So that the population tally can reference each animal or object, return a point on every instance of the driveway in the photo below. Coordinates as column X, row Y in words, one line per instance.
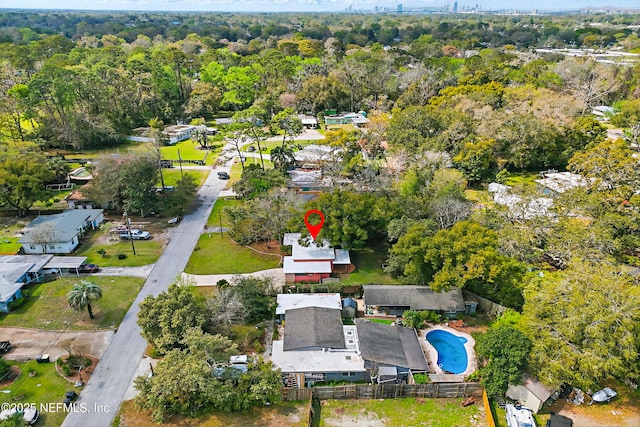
column 142, row 271
column 121, row 359
column 307, row 134
column 26, row 344
column 277, row 274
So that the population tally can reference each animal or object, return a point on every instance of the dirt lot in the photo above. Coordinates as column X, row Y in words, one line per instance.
column 26, row 344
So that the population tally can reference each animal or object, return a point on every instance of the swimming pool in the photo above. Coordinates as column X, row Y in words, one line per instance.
column 452, row 356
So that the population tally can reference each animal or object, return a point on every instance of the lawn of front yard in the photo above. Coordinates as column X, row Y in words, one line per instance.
column 45, row 387
column 189, row 150
column 217, row 213
column 401, row 413
column 46, row 306
column 369, row 270
column 220, row 255
column 172, row 176
column 286, row 414
column 147, row 252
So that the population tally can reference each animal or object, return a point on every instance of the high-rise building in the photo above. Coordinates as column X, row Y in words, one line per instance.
column 455, row 7
column 399, row 8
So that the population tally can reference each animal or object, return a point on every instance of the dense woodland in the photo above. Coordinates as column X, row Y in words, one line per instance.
column 454, row 104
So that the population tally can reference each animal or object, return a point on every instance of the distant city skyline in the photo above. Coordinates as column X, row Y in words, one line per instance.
column 312, row 5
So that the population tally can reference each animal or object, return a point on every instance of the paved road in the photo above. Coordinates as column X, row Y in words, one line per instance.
column 121, row 359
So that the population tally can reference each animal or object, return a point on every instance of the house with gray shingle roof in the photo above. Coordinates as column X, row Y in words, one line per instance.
column 59, row 233
column 396, row 299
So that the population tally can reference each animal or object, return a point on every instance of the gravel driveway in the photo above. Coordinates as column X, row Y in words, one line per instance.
column 26, row 344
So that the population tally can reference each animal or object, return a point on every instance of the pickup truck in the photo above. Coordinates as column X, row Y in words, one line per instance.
column 135, row 235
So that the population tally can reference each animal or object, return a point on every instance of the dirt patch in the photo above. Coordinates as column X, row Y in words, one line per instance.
column 271, row 247
column 82, row 375
column 614, row 414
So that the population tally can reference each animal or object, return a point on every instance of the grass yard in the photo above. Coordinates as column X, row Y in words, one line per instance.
column 147, row 252
column 286, row 414
column 46, row 307
column 43, row 388
column 369, row 270
column 9, row 245
column 522, row 178
column 125, row 147
column 218, row 208
column 189, row 150
column 216, row 255
column 383, row 321
column 235, row 174
column 400, row 413
column 172, row 176
column 270, row 145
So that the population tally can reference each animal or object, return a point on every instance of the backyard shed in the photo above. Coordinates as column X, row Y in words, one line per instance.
column 531, row 394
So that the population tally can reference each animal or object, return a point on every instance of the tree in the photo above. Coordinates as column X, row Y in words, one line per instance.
column 200, row 136
column 256, row 180
column 353, row 219
column 282, row 158
column 23, row 178
column 609, row 164
column 584, row 322
column 505, row 350
column 477, row 160
column 126, row 183
column 82, row 295
column 287, row 123
column 164, row 319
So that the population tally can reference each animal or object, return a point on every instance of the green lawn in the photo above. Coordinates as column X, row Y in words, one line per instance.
column 236, row 173
column 189, row 150
column 43, row 388
column 383, row 321
column 9, row 245
column 400, row 413
column 369, row 270
column 172, row 176
column 219, row 255
column 47, row 308
column 147, row 252
column 218, row 208
column 526, row 178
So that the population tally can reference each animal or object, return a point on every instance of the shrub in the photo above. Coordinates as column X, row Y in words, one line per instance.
column 66, row 370
column 5, row 367
column 15, row 304
column 102, row 252
column 421, row 378
column 122, row 256
column 87, row 362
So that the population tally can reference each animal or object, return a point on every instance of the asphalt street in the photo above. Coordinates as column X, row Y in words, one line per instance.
column 106, row 388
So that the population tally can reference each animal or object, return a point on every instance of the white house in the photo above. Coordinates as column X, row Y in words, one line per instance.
column 177, row 133
column 59, row 233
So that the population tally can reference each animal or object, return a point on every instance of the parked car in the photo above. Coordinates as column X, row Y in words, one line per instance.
column 223, row 175
column 135, row 235
column 251, row 149
column 166, row 164
column 29, row 414
column 88, row 268
column 5, row 346
column 69, row 397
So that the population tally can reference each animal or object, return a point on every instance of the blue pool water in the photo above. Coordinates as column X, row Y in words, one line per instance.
column 452, row 356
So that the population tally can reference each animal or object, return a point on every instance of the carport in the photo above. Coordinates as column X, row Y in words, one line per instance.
column 65, row 264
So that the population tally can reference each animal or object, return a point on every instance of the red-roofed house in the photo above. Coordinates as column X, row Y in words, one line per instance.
column 312, row 263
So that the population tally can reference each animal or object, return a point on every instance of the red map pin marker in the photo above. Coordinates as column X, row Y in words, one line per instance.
column 314, row 229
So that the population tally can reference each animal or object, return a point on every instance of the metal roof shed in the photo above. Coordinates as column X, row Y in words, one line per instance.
column 66, row 262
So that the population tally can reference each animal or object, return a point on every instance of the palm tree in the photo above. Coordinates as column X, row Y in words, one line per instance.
column 82, row 295
column 282, row 158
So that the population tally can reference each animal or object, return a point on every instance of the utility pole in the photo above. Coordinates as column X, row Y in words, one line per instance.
column 133, row 247
column 180, row 160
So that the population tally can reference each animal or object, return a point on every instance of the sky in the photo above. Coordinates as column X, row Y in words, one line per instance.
column 308, row 5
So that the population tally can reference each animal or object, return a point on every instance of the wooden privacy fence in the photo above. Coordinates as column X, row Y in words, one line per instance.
column 487, row 409
column 384, row 391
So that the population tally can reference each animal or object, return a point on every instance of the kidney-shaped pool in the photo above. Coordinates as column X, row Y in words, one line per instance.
column 452, row 356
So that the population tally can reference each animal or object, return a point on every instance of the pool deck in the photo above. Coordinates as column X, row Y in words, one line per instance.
column 432, row 353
